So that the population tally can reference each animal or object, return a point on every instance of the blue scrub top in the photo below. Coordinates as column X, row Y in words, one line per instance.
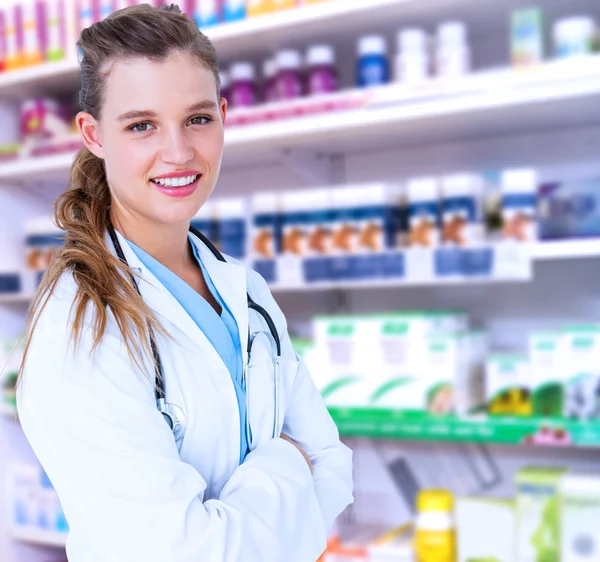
column 221, row 331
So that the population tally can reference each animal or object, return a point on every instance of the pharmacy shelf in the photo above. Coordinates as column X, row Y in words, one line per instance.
column 552, row 96
column 40, row 537
column 48, row 79
column 16, row 298
column 392, row 424
column 567, row 249
column 296, row 26
column 328, row 18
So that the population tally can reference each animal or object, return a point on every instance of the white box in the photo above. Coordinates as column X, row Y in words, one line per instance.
column 486, row 529
column 580, row 517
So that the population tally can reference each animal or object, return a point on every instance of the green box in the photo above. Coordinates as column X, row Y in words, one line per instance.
column 538, row 514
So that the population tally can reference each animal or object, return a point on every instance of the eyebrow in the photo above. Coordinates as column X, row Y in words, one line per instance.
column 205, row 105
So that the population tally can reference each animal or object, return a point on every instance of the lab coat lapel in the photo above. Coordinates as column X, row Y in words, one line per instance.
column 230, row 280
column 161, row 301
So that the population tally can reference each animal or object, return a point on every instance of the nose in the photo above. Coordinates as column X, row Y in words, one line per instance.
column 177, row 148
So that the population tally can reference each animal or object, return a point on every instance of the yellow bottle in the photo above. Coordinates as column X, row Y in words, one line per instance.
column 435, row 536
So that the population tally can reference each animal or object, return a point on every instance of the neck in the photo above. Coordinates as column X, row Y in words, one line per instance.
column 166, row 243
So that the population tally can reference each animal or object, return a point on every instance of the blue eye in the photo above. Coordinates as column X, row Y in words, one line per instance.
column 143, row 127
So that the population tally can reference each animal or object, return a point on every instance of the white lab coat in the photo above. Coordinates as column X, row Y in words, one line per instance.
column 128, row 494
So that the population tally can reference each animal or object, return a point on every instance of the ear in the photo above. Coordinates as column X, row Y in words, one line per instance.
column 223, row 108
column 90, row 133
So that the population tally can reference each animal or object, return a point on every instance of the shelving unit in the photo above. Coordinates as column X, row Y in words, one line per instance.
column 545, row 117
column 390, row 424
column 39, row 537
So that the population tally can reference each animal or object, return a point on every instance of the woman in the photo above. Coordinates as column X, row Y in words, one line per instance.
column 134, row 303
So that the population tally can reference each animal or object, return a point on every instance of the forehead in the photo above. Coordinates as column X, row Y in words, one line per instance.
column 165, row 86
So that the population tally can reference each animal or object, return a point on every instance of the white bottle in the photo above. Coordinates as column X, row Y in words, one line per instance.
column 453, row 55
column 412, row 61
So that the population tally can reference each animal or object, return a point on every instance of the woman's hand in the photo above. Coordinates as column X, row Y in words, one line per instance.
column 289, row 440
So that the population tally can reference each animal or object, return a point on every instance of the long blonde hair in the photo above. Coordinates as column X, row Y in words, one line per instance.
column 82, row 211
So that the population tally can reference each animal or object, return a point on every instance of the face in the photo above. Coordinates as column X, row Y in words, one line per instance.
column 161, row 136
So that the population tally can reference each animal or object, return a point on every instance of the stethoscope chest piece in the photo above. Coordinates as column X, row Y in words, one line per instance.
column 175, row 417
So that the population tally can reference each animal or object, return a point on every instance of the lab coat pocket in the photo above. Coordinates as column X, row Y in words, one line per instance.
column 268, row 382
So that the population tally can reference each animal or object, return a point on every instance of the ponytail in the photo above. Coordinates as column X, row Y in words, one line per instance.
column 82, row 211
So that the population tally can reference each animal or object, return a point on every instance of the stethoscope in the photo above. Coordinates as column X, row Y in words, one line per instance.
column 173, row 414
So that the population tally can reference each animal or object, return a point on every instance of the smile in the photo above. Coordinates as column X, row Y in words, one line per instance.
column 176, row 182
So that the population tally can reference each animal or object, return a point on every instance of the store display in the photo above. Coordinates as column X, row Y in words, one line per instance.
column 412, row 64
column 574, row 36
column 582, row 371
column 423, row 212
column 526, row 37
column 207, row 13
column 230, row 217
column 225, row 84
column 288, row 81
column 234, row 10
column 462, row 213
column 269, row 89
column 34, row 503
column 508, row 385
column 372, row 65
column 569, row 209
column 546, row 354
column 42, row 238
column 519, row 205
column 435, row 534
column 579, row 515
column 243, row 85
column 538, row 514
column 11, row 353
column 453, row 54
column 321, row 70
column 486, row 529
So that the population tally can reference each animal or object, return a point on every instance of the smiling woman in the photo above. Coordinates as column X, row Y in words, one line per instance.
column 159, row 387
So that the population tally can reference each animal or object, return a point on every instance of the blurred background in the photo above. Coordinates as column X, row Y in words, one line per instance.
column 419, row 182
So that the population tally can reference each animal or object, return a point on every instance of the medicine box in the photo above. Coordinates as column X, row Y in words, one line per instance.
column 538, row 514
column 508, row 385
column 486, row 530
column 582, row 371
column 547, row 372
column 580, row 514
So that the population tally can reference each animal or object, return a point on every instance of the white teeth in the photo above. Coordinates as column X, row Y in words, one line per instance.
column 176, row 182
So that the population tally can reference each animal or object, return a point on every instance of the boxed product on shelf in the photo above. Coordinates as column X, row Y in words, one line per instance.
column 42, row 238
column 231, row 216
column 486, row 529
column 547, row 372
column 33, row 502
column 569, row 209
column 526, row 36
column 519, row 204
column 579, row 516
column 538, row 514
column 508, row 384
column 11, row 354
column 265, row 237
column 582, row 371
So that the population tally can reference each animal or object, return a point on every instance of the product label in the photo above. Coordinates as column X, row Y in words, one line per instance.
column 423, row 223
column 232, row 237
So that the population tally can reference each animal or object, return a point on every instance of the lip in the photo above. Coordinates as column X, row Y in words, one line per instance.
column 178, row 192
column 182, row 174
